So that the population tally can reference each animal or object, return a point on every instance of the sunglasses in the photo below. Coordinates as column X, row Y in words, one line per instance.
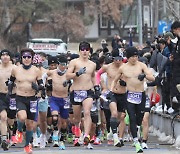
column 84, row 48
column 24, row 57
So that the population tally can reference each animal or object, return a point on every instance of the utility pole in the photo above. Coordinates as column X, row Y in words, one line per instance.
column 140, row 22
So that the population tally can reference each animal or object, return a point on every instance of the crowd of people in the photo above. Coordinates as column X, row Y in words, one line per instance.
column 88, row 97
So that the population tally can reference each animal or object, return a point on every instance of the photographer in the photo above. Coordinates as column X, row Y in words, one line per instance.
column 175, row 63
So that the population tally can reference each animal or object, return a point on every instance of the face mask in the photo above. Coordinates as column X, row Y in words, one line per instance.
column 59, row 72
column 26, row 67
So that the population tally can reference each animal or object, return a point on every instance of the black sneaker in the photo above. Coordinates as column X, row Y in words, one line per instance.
column 5, row 145
column 121, row 142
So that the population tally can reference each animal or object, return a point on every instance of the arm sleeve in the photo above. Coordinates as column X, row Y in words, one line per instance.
column 98, row 76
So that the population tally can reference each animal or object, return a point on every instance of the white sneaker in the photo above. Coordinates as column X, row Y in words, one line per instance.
column 144, row 145
column 55, row 143
column 42, row 141
column 89, row 146
column 35, row 142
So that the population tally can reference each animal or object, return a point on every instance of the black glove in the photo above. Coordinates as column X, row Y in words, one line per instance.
column 141, row 76
column 43, row 93
column 7, row 82
column 122, row 83
column 81, row 71
column 35, row 87
column 65, row 83
column 49, row 85
column 110, row 95
column 97, row 91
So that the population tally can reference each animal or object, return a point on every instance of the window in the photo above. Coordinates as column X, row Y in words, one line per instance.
column 103, row 21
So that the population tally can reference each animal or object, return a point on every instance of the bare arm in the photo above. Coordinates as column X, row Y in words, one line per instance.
column 117, row 77
column 148, row 73
column 70, row 72
column 98, row 74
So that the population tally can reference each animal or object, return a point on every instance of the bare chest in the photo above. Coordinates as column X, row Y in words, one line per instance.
column 25, row 75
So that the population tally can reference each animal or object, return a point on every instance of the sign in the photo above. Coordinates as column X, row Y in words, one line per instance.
column 163, row 27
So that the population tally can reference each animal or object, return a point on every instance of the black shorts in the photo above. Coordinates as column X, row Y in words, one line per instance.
column 120, row 99
column 11, row 113
column 94, row 116
column 23, row 103
column 90, row 94
column 3, row 102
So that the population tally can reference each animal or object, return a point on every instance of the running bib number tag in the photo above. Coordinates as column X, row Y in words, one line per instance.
column 80, row 96
column 33, row 106
column 147, row 105
column 12, row 105
column 134, row 97
column 66, row 103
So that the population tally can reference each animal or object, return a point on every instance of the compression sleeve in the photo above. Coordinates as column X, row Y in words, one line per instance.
column 98, row 76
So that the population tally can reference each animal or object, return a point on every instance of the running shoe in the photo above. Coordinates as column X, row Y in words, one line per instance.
column 42, row 141
column 70, row 138
column 18, row 137
column 61, row 145
column 138, row 148
column 76, row 142
column 86, row 140
column 89, row 146
column 144, row 145
column 5, row 145
column 28, row 149
column 117, row 143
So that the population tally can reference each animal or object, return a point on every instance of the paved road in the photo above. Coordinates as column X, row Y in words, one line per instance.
column 155, row 147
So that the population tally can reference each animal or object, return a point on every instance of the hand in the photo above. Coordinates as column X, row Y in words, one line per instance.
column 171, row 58
column 49, row 85
column 81, row 71
column 122, row 83
column 35, row 87
column 141, row 76
column 65, row 83
column 109, row 95
column 97, row 91
column 43, row 94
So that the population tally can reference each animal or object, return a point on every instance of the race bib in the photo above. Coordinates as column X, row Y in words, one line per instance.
column 147, row 104
column 66, row 103
column 80, row 96
column 33, row 106
column 12, row 105
column 134, row 97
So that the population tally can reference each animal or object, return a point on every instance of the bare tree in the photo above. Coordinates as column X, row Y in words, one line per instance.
column 68, row 24
column 112, row 9
column 170, row 5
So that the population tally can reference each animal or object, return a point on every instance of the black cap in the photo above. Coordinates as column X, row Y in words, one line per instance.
column 131, row 51
column 5, row 51
column 52, row 60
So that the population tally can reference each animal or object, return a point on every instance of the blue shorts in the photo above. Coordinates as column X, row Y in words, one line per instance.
column 43, row 105
column 57, row 104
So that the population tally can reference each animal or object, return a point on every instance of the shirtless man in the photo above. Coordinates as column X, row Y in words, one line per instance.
column 59, row 103
column 117, row 101
column 5, row 71
column 82, row 71
column 134, row 73
column 25, row 77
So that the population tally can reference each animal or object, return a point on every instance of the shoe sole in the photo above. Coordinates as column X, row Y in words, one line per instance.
column 118, row 145
column 77, row 144
column 140, row 151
